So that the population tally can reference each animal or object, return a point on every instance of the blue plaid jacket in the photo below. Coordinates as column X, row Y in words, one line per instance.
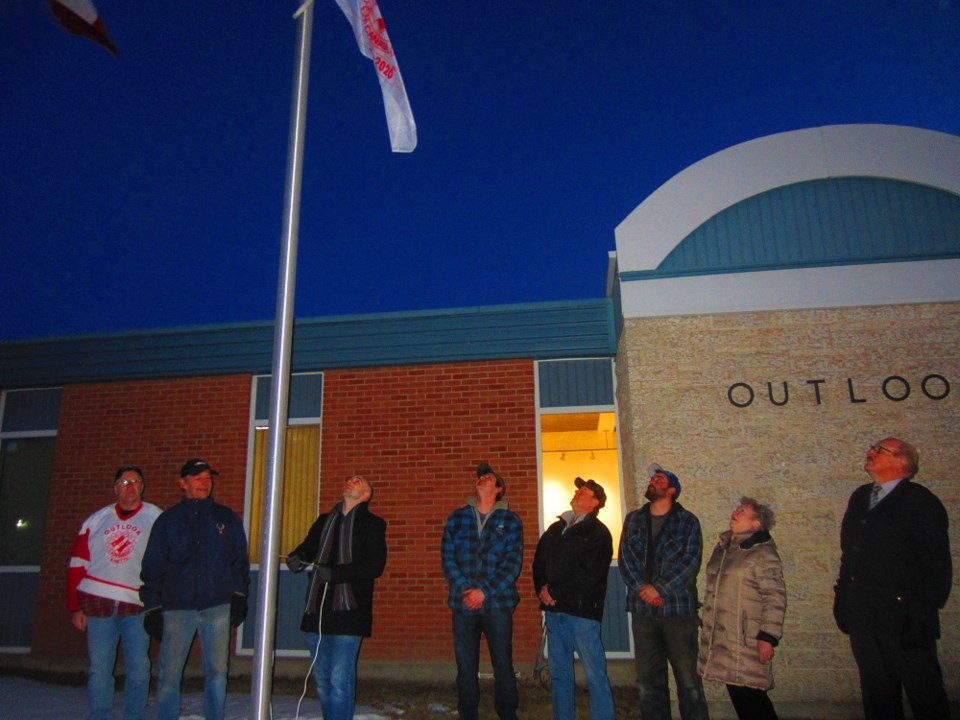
column 677, row 558
column 490, row 561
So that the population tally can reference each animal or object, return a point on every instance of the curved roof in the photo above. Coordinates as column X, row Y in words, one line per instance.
column 871, row 213
column 836, row 220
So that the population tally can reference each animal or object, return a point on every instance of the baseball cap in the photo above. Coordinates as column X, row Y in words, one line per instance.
column 674, row 480
column 484, row 468
column 598, row 492
column 195, row 466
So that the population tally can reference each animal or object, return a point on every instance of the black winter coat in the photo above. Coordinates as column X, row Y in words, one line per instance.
column 895, row 566
column 574, row 566
column 369, row 560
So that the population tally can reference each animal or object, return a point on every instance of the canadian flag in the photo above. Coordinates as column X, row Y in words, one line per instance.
column 80, row 18
column 371, row 33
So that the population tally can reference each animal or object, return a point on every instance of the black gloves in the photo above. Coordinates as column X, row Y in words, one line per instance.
column 295, row 563
column 153, row 623
column 238, row 609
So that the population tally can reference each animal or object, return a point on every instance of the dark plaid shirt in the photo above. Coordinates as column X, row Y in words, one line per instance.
column 490, row 561
column 677, row 555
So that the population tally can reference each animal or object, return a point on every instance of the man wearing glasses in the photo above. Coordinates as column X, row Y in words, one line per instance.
column 102, row 595
column 895, row 575
column 346, row 551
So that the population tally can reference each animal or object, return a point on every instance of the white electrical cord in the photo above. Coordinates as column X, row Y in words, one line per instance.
column 317, row 653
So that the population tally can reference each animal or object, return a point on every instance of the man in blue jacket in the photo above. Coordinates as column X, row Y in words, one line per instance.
column 482, row 553
column 195, row 575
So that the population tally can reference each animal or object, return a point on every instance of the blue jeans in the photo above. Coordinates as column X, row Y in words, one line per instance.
column 498, row 629
column 566, row 633
column 657, row 641
column 103, row 634
column 179, row 628
column 335, row 672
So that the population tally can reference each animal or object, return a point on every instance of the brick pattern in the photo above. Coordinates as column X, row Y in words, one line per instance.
column 801, row 456
column 156, row 425
column 418, row 433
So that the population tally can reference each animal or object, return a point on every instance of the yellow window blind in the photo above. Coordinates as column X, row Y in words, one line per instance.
column 301, row 474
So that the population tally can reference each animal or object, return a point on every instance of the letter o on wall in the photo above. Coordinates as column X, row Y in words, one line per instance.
column 926, row 390
column 740, row 403
column 905, row 388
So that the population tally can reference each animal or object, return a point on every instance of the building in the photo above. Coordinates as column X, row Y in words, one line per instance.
column 771, row 311
column 412, row 401
column 786, row 303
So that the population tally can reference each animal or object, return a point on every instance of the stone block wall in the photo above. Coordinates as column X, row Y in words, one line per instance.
column 782, row 406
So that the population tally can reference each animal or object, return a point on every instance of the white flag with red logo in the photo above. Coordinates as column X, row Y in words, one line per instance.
column 371, row 32
column 80, row 17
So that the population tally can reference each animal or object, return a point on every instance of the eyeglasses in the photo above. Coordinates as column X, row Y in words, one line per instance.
column 880, row 448
column 123, row 482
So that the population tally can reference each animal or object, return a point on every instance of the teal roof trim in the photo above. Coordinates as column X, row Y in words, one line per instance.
column 832, row 221
column 539, row 331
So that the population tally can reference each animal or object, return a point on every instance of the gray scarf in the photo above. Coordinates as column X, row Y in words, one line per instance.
column 343, row 598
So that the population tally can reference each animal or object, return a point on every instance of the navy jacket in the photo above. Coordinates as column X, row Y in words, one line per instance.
column 196, row 557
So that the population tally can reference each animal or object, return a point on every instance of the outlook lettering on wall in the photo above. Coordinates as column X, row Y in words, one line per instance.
column 893, row 388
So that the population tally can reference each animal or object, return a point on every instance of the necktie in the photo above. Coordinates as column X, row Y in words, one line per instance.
column 874, row 495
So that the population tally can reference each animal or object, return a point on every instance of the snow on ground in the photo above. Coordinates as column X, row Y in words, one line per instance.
column 22, row 699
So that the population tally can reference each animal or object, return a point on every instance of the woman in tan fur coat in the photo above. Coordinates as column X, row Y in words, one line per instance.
column 743, row 611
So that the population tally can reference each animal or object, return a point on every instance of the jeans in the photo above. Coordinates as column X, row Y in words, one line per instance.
column 657, row 641
column 179, row 628
column 103, row 634
column 566, row 633
column 335, row 672
column 498, row 629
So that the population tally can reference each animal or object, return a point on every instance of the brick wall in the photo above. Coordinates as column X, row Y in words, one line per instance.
column 156, row 425
column 799, row 447
column 418, row 433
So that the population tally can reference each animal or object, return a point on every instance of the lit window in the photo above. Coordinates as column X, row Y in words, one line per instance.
column 580, row 445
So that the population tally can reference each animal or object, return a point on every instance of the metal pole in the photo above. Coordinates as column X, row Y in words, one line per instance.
column 262, row 672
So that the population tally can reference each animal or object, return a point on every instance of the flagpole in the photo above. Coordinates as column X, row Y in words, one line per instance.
column 263, row 652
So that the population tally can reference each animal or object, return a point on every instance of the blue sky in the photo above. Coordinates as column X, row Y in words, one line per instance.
column 146, row 190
